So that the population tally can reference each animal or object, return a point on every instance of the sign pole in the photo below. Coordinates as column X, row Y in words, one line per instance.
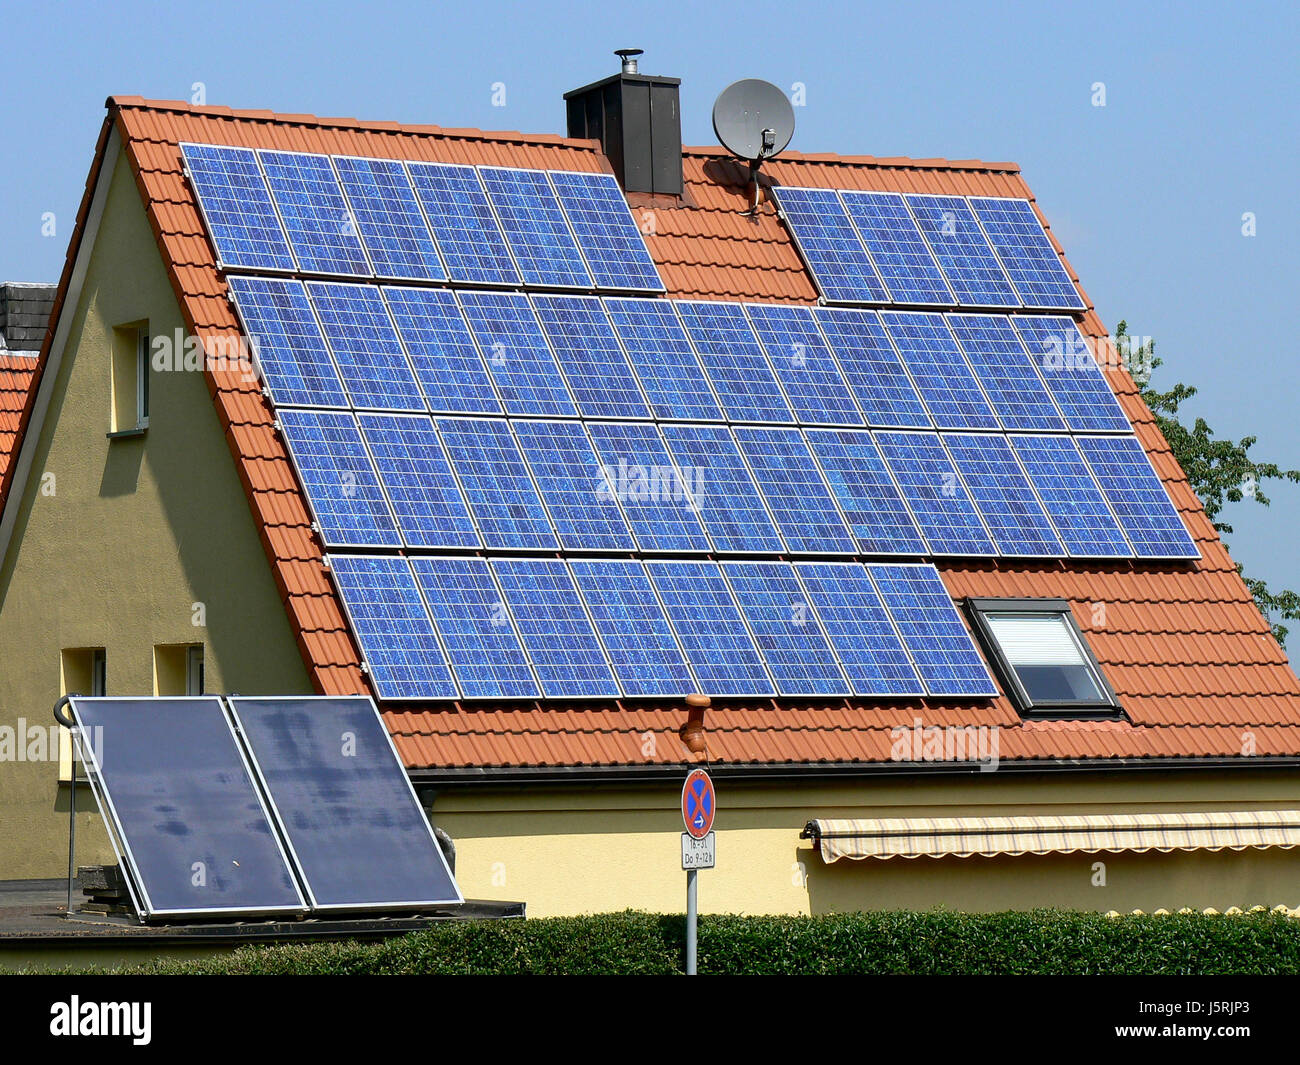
column 692, row 912
column 699, row 804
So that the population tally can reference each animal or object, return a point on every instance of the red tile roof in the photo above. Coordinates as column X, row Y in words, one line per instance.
column 17, row 372
column 1192, row 659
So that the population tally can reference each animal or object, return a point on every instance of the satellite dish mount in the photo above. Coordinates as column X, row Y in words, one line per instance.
column 754, row 121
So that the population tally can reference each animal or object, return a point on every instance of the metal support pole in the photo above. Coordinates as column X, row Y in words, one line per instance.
column 692, row 914
column 72, row 823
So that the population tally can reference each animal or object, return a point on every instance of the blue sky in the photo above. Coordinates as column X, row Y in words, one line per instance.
column 1146, row 193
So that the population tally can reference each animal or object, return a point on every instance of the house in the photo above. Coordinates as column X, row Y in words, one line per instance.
column 157, row 538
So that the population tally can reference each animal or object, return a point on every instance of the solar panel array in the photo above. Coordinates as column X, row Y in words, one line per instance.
column 653, row 466
column 925, row 250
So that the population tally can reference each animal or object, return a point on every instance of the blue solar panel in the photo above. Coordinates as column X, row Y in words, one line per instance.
column 728, row 501
column 555, row 628
column 182, row 802
column 657, row 499
column 463, row 224
column 342, row 799
column 934, row 493
column 476, row 629
column 665, row 362
column 710, row 628
column 316, row 218
column 1027, row 254
column 598, row 214
column 584, row 511
column 972, row 270
column 1006, row 502
column 496, row 483
column 393, row 628
column 340, row 481
column 830, row 246
column 237, row 208
column 733, row 358
column 535, row 227
column 514, row 347
column 932, row 630
column 388, row 218
column 786, row 629
column 365, row 346
column 872, row 368
column 939, row 370
column 859, row 628
column 794, row 490
column 901, row 256
column 1071, row 497
column 442, row 352
column 1006, row 372
column 1137, row 497
column 283, row 332
column 418, row 480
column 590, row 356
column 1065, row 360
column 804, row 365
column 867, row 496
column 638, row 639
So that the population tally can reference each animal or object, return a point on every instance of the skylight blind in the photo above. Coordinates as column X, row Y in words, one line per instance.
column 1044, row 640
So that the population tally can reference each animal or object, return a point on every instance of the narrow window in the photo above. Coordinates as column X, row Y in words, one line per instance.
column 83, row 671
column 130, row 380
column 178, row 669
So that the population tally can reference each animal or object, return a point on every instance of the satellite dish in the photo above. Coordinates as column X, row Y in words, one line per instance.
column 753, row 120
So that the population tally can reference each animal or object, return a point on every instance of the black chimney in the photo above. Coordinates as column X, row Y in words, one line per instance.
column 637, row 119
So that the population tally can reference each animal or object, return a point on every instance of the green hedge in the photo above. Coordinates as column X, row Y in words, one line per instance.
column 1038, row 942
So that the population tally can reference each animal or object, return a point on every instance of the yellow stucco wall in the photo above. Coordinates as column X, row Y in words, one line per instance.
column 133, row 535
column 570, row 851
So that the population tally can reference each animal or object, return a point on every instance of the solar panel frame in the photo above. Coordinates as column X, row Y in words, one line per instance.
column 389, row 217
column 497, row 484
column 390, row 656
column 551, row 652
column 885, row 391
column 302, row 372
column 292, row 823
column 120, row 835
column 941, row 647
column 976, row 279
column 488, row 661
column 590, row 356
column 1022, row 245
column 602, row 191
column 441, row 351
column 828, row 242
column 660, row 522
column 416, row 476
column 363, row 340
column 860, row 631
column 1077, row 508
column 939, row 370
column 817, row 395
column 506, row 330
column 1006, row 372
column 628, row 644
column 586, row 516
column 804, row 510
column 1150, row 521
column 1068, row 368
column 303, row 186
column 897, row 248
column 869, row 498
column 224, row 215
column 535, row 228
column 1003, row 495
column 733, row 359
column 736, row 672
column 473, row 248
column 647, row 345
column 917, row 460
column 796, row 671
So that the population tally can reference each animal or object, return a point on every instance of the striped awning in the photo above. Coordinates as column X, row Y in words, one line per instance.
column 963, row 837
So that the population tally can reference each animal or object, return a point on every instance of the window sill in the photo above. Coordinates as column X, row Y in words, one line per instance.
column 127, row 434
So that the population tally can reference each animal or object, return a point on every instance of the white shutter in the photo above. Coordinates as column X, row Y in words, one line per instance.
column 1036, row 640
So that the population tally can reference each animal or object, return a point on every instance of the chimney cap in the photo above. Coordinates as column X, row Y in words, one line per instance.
column 628, row 56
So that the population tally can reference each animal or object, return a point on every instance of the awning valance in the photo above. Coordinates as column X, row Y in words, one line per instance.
column 936, row 837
